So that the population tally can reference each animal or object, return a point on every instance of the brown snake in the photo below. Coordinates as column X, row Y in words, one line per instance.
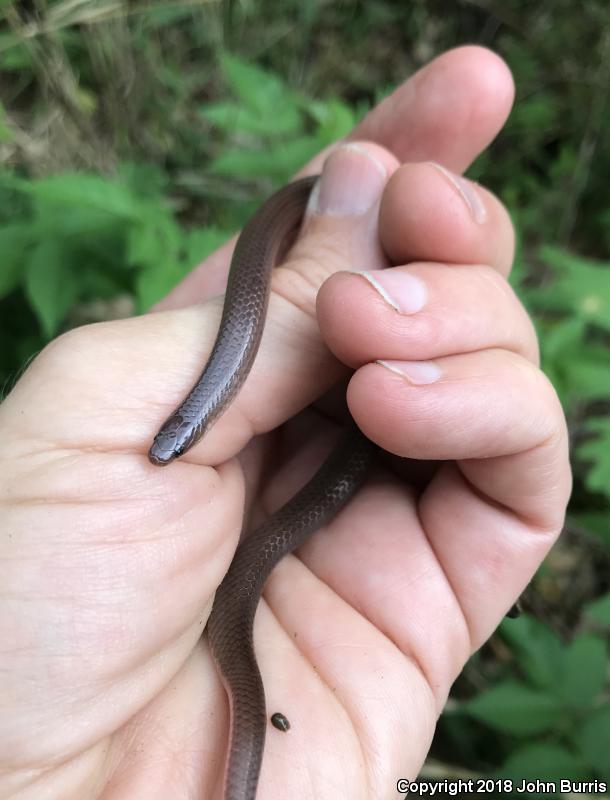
column 231, row 621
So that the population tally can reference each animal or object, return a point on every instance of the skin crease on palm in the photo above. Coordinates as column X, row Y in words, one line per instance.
column 109, row 565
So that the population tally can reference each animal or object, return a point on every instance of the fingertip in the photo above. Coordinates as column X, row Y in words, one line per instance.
column 448, row 111
column 486, row 70
column 483, row 92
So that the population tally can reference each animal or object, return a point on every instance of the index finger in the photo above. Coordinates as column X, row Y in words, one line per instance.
column 448, row 111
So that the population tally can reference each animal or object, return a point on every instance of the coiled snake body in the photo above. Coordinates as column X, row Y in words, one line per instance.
column 231, row 621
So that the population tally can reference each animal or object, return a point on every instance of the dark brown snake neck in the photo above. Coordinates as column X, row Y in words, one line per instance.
column 230, row 625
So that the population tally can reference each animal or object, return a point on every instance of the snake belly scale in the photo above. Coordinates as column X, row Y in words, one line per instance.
column 230, row 626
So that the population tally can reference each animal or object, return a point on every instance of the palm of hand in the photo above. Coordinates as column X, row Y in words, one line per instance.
column 333, row 636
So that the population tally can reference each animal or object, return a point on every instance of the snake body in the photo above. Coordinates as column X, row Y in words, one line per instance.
column 231, row 621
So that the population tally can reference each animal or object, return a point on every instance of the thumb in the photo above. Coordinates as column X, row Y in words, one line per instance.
column 340, row 228
column 293, row 366
column 110, row 385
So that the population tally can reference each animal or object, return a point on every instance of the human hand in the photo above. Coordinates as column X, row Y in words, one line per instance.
column 111, row 564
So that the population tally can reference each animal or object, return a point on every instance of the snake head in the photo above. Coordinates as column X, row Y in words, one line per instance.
column 171, row 442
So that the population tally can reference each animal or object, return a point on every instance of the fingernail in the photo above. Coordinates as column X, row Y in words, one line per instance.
column 351, row 183
column 465, row 190
column 404, row 292
column 418, row 372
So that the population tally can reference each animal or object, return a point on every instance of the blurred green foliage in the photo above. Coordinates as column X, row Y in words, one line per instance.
column 136, row 137
column 554, row 710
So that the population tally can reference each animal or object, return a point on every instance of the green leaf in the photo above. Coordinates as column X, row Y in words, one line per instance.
column 534, row 114
column 15, row 241
column 96, row 281
column 546, row 762
column 565, row 336
column 50, row 285
column 593, row 739
column 6, row 134
column 335, row 119
column 596, row 523
column 581, row 286
column 155, row 238
column 290, row 157
column 163, row 16
column 583, row 671
column 587, row 373
column 242, row 164
column 599, row 610
column 147, row 181
column 511, row 707
column 155, row 281
column 278, row 162
column 200, row 243
column 538, row 648
column 83, row 190
column 84, row 224
column 154, row 247
column 232, row 117
column 578, row 367
column 14, row 55
column 256, row 89
column 597, row 451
